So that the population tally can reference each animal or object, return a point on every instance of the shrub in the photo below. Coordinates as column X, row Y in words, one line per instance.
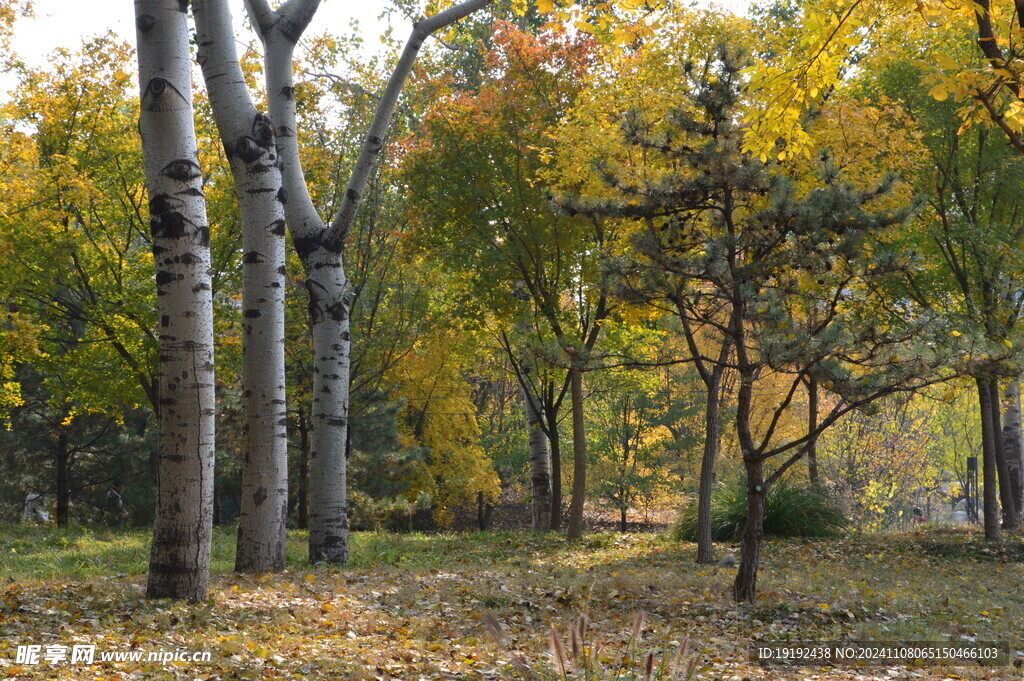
column 791, row 510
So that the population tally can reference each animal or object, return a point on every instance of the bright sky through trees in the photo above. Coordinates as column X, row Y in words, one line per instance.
column 64, row 23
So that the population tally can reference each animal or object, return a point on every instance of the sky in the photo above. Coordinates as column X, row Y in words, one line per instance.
column 63, row 23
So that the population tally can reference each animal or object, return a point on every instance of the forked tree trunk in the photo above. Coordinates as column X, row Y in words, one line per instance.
column 320, row 247
column 1013, row 443
column 990, row 494
column 179, row 564
column 579, row 456
column 540, row 464
column 248, row 140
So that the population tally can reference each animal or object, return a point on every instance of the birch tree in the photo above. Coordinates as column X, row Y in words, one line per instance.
column 320, row 246
column 180, row 558
column 248, row 139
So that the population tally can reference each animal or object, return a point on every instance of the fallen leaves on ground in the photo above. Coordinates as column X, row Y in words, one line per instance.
column 418, row 611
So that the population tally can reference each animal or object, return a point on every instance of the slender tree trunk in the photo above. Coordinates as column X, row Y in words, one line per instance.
column 555, row 444
column 540, row 464
column 303, row 503
column 579, row 456
column 623, row 525
column 1013, row 443
column 705, row 539
column 1009, row 508
column 745, row 586
column 248, row 139
column 990, row 499
column 179, row 564
column 812, row 426
column 63, row 482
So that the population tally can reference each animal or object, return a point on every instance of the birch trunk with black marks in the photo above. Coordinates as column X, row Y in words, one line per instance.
column 249, row 144
column 179, row 564
column 320, row 247
column 1013, row 443
column 540, row 463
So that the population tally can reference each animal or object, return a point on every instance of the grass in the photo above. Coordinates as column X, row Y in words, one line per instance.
column 414, row 606
column 791, row 510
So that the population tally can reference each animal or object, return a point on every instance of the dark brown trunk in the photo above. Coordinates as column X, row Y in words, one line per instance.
column 812, row 425
column 1012, row 444
column 705, row 540
column 63, row 485
column 579, row 456
column 556, row 468
column 1005, row 488
column 623, row 525
column 745, row 586
column 990, row 499
column 302, row 504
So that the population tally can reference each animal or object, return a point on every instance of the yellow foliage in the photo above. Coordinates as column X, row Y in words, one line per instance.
column 441, row 416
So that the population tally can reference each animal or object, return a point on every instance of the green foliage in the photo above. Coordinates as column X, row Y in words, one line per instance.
column 791, row 510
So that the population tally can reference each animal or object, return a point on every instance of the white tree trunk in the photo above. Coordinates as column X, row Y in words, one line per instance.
column 540, row 463
column 248, row 139
column 180, row 559
column 320, row 250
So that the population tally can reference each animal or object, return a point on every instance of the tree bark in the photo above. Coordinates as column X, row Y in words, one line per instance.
column 812, row 426
column 990, row 500
column 1013, row 443
column 555, row 445
column 180, row 557
column 320, row 248
column 745, row 585
column 1009, row 508
column 302, row 510
column 540, row 464
column 579, row 456
column 248, row 140
column 63, row 477
column 705, row 539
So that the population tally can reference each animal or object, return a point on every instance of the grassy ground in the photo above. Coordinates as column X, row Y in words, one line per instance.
column 414, row 607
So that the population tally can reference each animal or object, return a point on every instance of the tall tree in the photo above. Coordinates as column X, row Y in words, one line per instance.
column 781, row 249
column 248, row 139
column 535, row 273
column 182, row 534
column 320, row 247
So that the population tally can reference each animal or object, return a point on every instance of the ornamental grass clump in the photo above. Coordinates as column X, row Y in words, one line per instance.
column 791, row 510
column 581, row 656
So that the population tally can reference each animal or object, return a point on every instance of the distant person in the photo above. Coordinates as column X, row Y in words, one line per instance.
column 115, row 504
column 34, row 508
column 918, row 516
